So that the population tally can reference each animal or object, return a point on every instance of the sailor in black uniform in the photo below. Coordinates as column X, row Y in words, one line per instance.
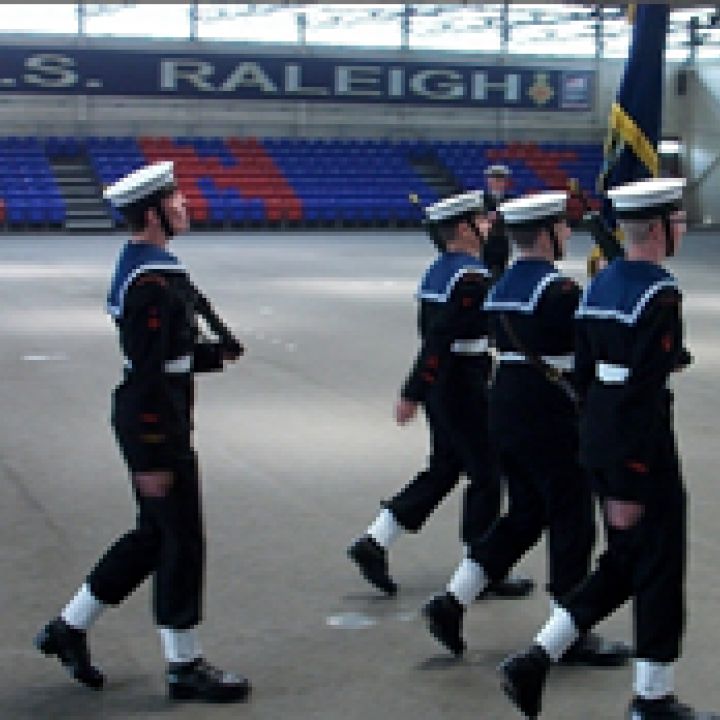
column 449, row 379
column 533, row 429
column 496, row 252
column 154, row 305
column 630, row 339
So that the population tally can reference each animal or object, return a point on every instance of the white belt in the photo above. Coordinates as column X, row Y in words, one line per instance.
column 564, row 363
column 611, row 374
column 176, row 366
column 470, row 347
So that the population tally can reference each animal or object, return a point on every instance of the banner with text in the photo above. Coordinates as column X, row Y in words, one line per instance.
column 248, row 76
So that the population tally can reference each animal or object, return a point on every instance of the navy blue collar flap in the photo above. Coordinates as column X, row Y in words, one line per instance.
column 623, row 289
column 522, row 285
column 442, row 276
column 136, row 259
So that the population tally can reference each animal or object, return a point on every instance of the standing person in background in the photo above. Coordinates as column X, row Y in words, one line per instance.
column 630, row 340
column 497, row 248
column 153, row 304
column 533, row 429
column 449, row 380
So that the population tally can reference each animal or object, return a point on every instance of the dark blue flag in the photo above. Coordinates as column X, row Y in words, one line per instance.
column 636, row 115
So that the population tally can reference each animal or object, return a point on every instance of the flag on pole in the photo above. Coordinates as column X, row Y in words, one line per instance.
column 635, row 121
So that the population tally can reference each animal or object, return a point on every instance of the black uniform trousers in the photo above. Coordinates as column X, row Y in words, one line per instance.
column 456, row 411
column 645, row 563
column 167, row 543
column 544, row 494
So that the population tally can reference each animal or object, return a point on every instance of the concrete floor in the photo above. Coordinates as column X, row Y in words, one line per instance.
column 298, row 446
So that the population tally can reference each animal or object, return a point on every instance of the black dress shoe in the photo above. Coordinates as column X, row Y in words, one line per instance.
column 667, row 708
column 595, row 651
column 444, row 616
column 69, row 645
column 372, row 560
column 523, row 677
column 513, row 586
column 199, row 680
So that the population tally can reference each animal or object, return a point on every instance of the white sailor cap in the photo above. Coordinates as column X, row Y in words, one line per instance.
column 140, row 184
column 647, row 198
column 534, row 209
column 498, row 171
column 452, row 207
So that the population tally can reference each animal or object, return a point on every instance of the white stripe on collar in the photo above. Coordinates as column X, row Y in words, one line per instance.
column 530, row 305
column 613, row 314
column 116, row 310
column 442, row 297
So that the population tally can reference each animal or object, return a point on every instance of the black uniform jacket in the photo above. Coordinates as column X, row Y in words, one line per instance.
column 452, row 326
column 528, row 411
column 629, row 340
column 151, row 300
column 496, row 252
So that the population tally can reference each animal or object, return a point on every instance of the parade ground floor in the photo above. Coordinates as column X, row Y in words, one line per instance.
column 298, row 447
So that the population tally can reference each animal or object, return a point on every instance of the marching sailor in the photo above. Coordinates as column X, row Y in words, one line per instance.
column 630, row 340
column 153, row 304
column 449, row 380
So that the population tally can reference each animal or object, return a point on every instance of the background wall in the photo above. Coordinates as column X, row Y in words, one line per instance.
column 96, row 115
column 701, row 110
column 690, row 117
